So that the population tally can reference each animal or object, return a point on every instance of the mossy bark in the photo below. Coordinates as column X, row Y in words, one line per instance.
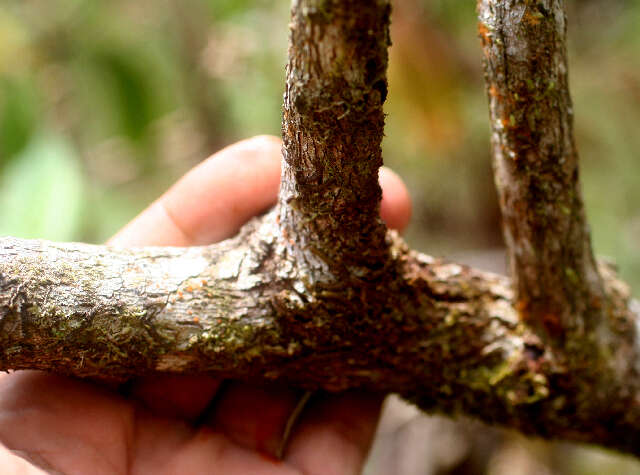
column 332, row 129
column 317, row 293
column 559, row 290
column 536, row 165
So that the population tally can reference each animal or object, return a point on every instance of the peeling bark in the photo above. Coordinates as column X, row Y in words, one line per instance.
column 318, row 294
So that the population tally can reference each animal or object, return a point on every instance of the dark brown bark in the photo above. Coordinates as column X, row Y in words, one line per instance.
column 318, row 294
column 444, row 336
column 332, row 129
column 536, row 165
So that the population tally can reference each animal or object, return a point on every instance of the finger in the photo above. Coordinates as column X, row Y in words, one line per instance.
column 335, row 433
column 255, row 416
column 60, row 423
column 201, row 451
column 209, row 203
column 177, row 396
column 16, row 465
column 395, row 208
column 213, row 200
column 68, row 426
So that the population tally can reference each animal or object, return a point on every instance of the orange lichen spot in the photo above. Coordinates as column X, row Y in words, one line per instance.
column 189, row 289
column 533, row 19
column 203, row 282
column 522, row 306
column 196, row 320
column 540, row 317
column 179, row 294
column 493, row 91
column 484, row 33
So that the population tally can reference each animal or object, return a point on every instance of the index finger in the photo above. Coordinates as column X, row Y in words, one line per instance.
column 213, row 200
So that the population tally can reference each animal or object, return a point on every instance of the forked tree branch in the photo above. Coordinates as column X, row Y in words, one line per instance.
column 318, row 294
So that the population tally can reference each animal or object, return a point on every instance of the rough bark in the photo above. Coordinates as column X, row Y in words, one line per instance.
column 317, row 293
column 558, row 287
column 332, row 129
column 536, row 165
column 444, row 336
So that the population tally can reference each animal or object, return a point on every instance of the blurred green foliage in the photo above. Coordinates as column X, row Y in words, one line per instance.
column 42, row 191
column 138, row 92
column 18, row 119
column 103, row 104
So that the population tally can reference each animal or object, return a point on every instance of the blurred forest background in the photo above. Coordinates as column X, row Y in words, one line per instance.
column 104, row 104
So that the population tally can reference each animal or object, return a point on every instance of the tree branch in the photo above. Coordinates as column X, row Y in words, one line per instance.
column 332, row 129
column 444, row 336
column 326, row 298
column 536, row 165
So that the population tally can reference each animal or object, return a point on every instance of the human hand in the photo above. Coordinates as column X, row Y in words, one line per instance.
column 192, row 424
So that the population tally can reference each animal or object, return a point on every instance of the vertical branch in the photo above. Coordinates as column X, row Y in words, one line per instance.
column 536, row 164
column 332, row 129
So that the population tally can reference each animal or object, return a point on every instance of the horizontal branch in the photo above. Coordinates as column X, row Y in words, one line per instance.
column 444, row 336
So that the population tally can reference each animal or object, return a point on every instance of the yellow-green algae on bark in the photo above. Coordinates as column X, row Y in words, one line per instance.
column 318, row 294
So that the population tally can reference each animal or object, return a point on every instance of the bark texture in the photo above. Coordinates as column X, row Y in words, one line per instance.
column 443, row 335
column 318, row 294
column 536, row 164
column 332, row 129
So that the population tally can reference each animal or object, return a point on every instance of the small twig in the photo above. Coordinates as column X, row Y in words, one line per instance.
column 291, row 423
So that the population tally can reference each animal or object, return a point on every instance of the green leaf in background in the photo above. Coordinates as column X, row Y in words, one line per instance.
column 224, row 9
column 41, row 193
column 18, row 117
column 131, row 92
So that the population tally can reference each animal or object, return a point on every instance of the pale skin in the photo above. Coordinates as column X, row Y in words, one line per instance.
column 192, row 424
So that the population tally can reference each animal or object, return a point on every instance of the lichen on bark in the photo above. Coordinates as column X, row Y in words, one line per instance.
column 536, row 164
column 318, row 294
